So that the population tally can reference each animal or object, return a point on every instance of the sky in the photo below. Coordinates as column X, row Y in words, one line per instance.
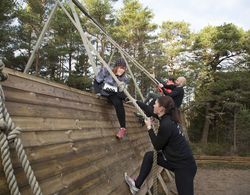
column 200, row 13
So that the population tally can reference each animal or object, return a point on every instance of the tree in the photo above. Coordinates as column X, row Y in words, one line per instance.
column 7, row 31
column 214, row 48
column 133, row 31
column 31, row 15
column 80, row 78
column 102, row 11
column 177, row 39
column 66, row 40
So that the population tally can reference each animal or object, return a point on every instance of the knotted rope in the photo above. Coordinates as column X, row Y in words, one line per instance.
column 9, row 134
column 155, row 169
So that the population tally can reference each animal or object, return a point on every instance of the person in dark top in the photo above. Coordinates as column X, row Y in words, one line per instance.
column 173, row 151
column 178, row 92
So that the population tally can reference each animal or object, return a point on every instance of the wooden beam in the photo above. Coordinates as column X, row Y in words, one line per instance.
column 164, row 186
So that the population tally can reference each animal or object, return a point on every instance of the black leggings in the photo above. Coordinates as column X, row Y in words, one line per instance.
column 184, row 177
column 117, row 102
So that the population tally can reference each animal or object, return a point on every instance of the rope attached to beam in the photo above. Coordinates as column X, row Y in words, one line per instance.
column 9, row 135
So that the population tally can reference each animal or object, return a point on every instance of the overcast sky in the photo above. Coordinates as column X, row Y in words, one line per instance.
column 200, row 13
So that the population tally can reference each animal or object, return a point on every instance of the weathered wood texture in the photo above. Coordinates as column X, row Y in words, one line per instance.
column 69, row 137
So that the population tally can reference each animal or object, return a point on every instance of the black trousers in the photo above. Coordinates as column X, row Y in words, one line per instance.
column 184, row 177
column 117, row 101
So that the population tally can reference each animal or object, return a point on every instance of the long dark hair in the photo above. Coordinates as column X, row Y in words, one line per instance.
column 168, row 103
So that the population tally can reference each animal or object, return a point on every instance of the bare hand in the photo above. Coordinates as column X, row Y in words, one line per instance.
column 148, row 123
column 160, row 85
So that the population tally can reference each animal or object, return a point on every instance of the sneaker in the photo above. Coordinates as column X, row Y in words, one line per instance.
column 131, row 184
column 121, row 133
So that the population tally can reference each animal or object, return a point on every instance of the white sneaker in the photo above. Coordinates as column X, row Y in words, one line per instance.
column 131, row 184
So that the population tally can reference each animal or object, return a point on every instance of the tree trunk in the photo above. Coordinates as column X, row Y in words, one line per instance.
column 206, row 126
column 183, row 125
column 234, row 134
column 37, row 63
column 70, row 63
column 103, row 46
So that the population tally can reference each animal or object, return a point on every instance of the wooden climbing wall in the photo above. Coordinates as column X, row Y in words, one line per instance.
column 69, row 137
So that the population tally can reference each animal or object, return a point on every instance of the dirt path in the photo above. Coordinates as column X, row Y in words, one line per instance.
column 222, row 182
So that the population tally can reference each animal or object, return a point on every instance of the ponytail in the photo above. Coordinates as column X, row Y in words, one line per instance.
column 168, row 103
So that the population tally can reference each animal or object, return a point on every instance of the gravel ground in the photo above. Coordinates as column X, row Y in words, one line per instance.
column 222, row 182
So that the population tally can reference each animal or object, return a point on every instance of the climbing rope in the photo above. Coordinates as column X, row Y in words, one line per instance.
column 154, row 173
column 9, row 134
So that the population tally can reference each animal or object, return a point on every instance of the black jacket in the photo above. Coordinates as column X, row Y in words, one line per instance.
column 172, row 142
column 177, row 94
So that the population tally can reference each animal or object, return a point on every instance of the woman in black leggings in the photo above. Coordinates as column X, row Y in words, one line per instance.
column 173, row 151
column 105, row 85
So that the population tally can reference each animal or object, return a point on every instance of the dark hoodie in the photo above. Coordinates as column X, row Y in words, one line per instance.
column 171, row 141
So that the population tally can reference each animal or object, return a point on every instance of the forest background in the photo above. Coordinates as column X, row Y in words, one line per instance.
column 215, row 60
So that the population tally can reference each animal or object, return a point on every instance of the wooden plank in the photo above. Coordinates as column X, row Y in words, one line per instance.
column 64, row 180
column 164, row 186
column 63, row 165
column 170, row 177
column 116, row 184
column 72, row 110
column 18, row 80
column 15, row 73
column 86, row 185
column 58, row 124
column 26, row 96
column 44, row 100
column 27, row 109
column 57, row 137
column 48, row 88
column 67, row 93
column 114, row 176
column 44, row 138
column 201, row 158
column 52, row 152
